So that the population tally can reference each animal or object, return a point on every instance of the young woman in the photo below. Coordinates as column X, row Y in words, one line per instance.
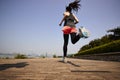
column 70, row 20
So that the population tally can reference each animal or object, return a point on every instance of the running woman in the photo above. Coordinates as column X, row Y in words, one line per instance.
column 70, row 20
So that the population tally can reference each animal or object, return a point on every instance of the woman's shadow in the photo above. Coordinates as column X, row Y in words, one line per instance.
column 16, row 65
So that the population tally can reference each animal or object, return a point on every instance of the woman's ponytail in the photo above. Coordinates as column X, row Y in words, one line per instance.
column 75, row 5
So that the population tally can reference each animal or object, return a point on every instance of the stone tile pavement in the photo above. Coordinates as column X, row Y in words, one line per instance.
column 54, row 69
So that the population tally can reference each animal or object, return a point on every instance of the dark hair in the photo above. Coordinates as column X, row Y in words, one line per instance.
column 73, row 6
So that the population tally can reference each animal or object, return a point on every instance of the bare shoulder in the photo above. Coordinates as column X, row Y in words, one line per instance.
column 66, row 13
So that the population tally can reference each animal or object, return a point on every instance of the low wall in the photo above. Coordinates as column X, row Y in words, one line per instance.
column 113, row 56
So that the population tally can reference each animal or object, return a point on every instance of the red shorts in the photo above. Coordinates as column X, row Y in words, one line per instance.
column 68, row 30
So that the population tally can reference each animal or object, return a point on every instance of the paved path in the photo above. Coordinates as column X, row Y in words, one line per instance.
column 54, row 69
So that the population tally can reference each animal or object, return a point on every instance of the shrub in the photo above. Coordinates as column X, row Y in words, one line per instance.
column 7, row 58
column 109, row 47
column 54, row 56
column 20, row 56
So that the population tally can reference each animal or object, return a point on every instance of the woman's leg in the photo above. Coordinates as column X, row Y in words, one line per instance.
column 66, row 37
column 74, row 37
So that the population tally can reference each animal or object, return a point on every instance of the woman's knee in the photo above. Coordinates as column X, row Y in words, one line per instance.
column 73, row 42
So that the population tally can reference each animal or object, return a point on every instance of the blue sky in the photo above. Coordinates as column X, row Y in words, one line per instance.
column 31, row 26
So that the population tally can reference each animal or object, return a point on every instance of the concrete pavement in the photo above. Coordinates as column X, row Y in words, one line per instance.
column 54, row 69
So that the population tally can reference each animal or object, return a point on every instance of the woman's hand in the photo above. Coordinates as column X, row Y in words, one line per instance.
column 63, row 19
column 60, row 24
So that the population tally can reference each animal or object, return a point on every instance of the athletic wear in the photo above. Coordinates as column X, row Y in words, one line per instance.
column 74, row 39
column 64, row 59
column 85, row 33
column 68, row 30
column 69, row 21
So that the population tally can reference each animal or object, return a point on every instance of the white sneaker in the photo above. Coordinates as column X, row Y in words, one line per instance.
column 84, row 32
column 64, row 59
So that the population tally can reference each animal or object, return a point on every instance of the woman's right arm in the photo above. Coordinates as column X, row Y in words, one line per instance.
column 65, row 15
column 62, row 21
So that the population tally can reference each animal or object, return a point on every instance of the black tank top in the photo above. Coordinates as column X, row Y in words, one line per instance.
column 69, row 21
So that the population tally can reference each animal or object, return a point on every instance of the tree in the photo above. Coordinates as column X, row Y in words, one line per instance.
column 116, row 32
